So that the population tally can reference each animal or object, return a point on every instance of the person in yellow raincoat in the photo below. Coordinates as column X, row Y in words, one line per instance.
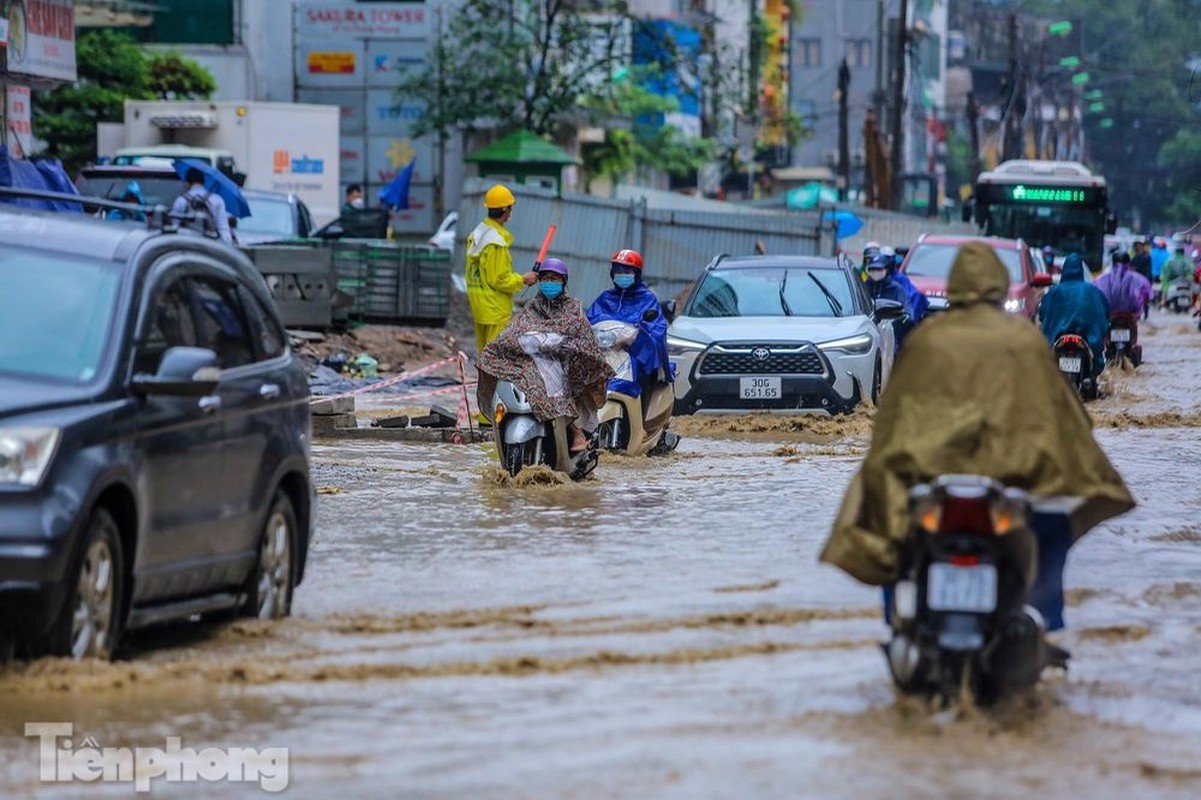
column 977, row 391
column 491, row 281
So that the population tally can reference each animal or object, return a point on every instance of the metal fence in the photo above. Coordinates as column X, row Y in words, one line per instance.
column 676, row 244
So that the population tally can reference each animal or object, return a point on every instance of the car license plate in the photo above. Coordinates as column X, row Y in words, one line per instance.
column 759, row 388
column 1067, row 364
column 952, row 588
column 1119, row 335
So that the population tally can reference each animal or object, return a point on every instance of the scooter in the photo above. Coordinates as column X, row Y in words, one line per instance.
column 522, row 440
column 632, row 425
column 1178, row 296
column 1122, row 339
column 1076, row 364
column 959, row 615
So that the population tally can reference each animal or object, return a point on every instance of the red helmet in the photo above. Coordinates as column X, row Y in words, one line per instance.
column 627, row 258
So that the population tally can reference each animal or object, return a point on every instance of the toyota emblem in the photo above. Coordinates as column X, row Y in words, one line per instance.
column 760, row 353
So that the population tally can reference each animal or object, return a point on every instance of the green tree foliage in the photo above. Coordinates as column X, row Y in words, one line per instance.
column 635, row 142
column 1180, row 158
column 112, row 69
column 518, row 65
column 545, row 66
column 171, row 76
column 1137, row 52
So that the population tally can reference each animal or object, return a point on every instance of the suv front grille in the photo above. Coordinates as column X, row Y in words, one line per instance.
column 750, row 360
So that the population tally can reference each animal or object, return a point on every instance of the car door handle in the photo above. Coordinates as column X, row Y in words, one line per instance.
column 269, row 391
column 210, row 403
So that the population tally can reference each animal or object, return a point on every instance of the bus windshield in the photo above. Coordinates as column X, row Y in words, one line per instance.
column 1067, row 229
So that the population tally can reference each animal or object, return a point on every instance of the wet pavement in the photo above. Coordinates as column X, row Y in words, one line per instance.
column 662, row 630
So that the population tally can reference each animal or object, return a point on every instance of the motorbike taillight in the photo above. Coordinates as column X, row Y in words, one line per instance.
column 966, row 515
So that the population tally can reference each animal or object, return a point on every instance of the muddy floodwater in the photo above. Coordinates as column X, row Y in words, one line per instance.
column 661, row 630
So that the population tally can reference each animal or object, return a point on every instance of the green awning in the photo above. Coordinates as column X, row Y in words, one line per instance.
column 522, row 147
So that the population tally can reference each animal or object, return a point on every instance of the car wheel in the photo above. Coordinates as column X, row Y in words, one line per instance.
column 269, row 593
column 91, row 621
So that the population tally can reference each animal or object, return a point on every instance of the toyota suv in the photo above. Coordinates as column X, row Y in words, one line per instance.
column 928, row 264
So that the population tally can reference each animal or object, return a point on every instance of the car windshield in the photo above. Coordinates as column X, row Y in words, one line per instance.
column 56, row 312
column 773, row 292
column 156, row 189
column 268, row 215
column 935, row 260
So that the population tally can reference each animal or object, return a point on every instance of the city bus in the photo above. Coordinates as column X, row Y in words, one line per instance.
column 1057, row 203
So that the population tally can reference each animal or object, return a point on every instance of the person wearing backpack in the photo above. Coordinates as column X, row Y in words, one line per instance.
column 201, row 209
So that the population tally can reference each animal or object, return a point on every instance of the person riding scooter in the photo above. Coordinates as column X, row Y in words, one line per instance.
column 632, row 301
column 1073, row 306
column 632, row 329
column 563, row 332
column 1002, row 411
column 1126, row 291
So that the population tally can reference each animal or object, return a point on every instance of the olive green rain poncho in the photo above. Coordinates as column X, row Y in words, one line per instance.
column 975, row 392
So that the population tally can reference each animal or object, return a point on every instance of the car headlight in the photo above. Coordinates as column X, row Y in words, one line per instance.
column 25, row 454
column 855, row 345
column 1015, row 304
column 678, row 347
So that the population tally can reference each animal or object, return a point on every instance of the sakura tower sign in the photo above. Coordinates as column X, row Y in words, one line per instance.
column 354, row 55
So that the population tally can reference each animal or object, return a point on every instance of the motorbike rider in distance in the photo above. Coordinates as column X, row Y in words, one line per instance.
column 557, row 322
column 1178, row 268
column 1126, row 291
column 1049, row 258
column 1074, row 306
column 631, row 301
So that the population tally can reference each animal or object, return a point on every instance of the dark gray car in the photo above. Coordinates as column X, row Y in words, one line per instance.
column 154, row 434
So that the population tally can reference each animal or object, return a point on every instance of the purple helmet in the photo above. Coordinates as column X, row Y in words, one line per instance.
column 556, row 266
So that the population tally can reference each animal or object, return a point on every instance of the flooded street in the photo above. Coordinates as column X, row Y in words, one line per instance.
column 661, row 630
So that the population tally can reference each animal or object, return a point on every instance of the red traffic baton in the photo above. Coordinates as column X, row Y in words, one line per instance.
column 550, row 235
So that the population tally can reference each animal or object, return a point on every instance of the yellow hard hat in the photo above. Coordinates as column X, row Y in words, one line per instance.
column 498, row 197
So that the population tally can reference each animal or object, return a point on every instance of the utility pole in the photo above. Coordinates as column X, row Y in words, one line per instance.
column 440, row 66
column 897, row 115
column 973, row 132
column 1011, row 101
column 878, row 95
column 844, row 146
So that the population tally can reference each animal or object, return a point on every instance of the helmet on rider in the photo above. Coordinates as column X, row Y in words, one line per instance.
column 625, row 268
column 552, row 266
column 879, row 266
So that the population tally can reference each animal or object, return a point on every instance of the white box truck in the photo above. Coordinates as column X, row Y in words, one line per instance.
column 280, row 147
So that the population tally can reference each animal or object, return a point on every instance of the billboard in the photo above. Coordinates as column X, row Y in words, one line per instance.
column 316, row 20
column 41, row 39
column 352, row 121
column 388, row 155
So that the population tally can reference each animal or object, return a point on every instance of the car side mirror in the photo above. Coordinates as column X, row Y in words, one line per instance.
column 1042, row 280
column 183, row 372
column 889, row 309
column 669, row 310
column 331, row 231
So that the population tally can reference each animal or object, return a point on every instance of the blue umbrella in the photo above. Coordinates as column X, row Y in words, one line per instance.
column 218, row 183
column 396, row 194
column 848, row 223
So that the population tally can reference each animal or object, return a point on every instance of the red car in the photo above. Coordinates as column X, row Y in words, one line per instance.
column 928, row 263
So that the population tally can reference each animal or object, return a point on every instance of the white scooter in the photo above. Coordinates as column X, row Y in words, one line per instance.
column 521, row 439
column 634, row 426
column 1178, row 295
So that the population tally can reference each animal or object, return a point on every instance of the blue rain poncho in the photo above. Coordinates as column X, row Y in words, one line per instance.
column 1073, row 306
column 648, row 353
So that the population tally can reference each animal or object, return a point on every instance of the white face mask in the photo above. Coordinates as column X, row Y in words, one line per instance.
column 358, row 203
column 877, row 274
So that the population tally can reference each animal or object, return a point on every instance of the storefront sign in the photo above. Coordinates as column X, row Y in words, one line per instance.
column 18, row 122
column 41, row 39
column 316, row 20
column 331, row 63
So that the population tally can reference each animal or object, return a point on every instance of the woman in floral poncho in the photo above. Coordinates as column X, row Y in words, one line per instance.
column 551, row 328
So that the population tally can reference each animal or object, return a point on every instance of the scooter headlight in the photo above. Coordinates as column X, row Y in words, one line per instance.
column 498, row 414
